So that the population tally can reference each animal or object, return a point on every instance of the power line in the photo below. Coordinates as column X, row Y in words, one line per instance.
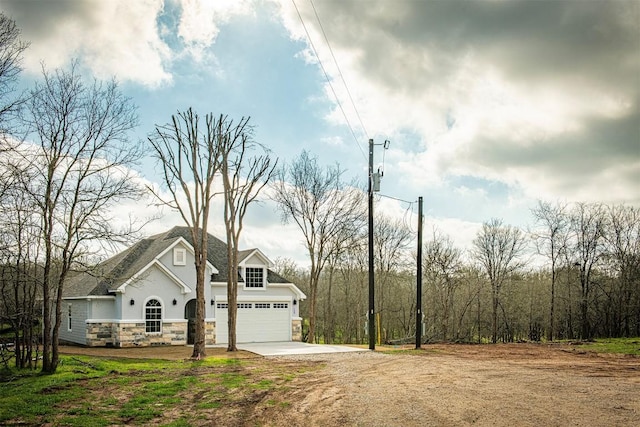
column 399, row 200
column 344, row 82
column 326, row 75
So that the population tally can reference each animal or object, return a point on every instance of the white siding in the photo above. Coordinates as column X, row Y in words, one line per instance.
column 254, row 260
column 187, row 272
column 156, row 284
column 78, row 333
column 102, row 308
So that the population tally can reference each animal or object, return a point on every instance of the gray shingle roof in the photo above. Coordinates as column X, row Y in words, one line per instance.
column 107, row 276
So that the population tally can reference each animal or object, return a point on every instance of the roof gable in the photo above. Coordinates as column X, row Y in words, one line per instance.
column 250, row 256
column 111, row 275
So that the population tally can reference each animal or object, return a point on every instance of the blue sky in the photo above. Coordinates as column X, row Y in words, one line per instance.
column 489, row 106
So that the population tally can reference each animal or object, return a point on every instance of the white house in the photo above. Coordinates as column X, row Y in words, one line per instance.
column 145, row 296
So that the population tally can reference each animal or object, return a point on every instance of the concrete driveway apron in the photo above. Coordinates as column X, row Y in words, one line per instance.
column 293, row 348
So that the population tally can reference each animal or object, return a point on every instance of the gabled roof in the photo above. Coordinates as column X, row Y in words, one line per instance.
column 245, row 255
column 111, row 274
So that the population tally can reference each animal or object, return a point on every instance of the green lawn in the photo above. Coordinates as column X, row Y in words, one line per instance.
column 101, row 392
column 610, row 345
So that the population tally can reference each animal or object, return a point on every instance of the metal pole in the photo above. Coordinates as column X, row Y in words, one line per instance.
column 372, row 329
column 419, row 279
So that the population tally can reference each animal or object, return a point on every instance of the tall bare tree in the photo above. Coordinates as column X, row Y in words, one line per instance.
column 497, row 248
column 19, row 271
column 391, row 238
column 587, row 228
column 79, row 165
column 321, row 205
column 623, row 249
column 11, row 49
column 550, row 238
column 443, row 264
column 243, row 177
column 189, row 158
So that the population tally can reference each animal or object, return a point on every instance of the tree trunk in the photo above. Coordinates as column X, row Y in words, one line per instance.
column 232, row 290
column 199, row 341
column 313, row 298
column 494, row 317
column 550, row 332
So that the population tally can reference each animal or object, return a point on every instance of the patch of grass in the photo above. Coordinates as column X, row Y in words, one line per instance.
column 263, row 384
column 213, row 404
column 82, row 420
column 100, row 391
column 288, row 377
column 182, row 422
column 232, row 380
column 612, row 345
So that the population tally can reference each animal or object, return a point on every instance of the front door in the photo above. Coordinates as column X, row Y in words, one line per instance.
column 190, row 315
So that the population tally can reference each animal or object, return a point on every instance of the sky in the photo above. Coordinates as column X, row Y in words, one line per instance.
column 489, row 106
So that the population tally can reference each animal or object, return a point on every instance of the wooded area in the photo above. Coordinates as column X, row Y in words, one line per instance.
column 575, row 274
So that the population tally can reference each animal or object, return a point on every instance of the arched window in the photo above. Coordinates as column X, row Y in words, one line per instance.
column 153, row 316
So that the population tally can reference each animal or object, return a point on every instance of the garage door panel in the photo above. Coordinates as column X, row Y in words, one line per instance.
column 256, row 322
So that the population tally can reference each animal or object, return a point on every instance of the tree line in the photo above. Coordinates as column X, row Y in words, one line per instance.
column 573, row 274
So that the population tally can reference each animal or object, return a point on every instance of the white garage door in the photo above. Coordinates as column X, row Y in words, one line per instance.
column 256, row 322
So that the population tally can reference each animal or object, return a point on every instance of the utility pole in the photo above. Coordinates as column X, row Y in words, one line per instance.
column 374, row 185
column 372, row 329
column 419, row 280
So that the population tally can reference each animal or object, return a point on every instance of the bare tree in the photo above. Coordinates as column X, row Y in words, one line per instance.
column 320, row 204
column 391, row 238
column 243, row 177
column 79, row 165
column 497, row 248
column 623, row 249
column 11, row 49
column 348, row 238
column 189, row 158
column 551, row 241
column 19, row 272
column 443, row 264
column 587, row 227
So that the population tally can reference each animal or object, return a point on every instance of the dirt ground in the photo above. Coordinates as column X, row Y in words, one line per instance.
column 448, row 385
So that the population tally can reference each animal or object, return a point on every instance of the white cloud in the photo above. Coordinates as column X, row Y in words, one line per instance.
column 117, row 37
column 200, row 21
column 504, row 91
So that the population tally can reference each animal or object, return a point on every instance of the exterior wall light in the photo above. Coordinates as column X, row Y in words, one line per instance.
column 132, row 302
column 295, row 302
column 213, row 302
column 175, row 302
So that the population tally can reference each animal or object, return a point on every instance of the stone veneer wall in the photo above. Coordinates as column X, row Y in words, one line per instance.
column 100, row 334
column 296, row 330
column 209, row 333
column 133, row 334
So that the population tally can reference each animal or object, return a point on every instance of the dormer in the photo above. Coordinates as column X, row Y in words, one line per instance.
column 253, row 266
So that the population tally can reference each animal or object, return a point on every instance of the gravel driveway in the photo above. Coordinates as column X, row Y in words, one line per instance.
column 444, row 385
column 510, row 385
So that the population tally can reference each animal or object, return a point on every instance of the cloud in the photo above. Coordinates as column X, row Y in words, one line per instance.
column 117, row 37
column 543, row 96
column 200, row 22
